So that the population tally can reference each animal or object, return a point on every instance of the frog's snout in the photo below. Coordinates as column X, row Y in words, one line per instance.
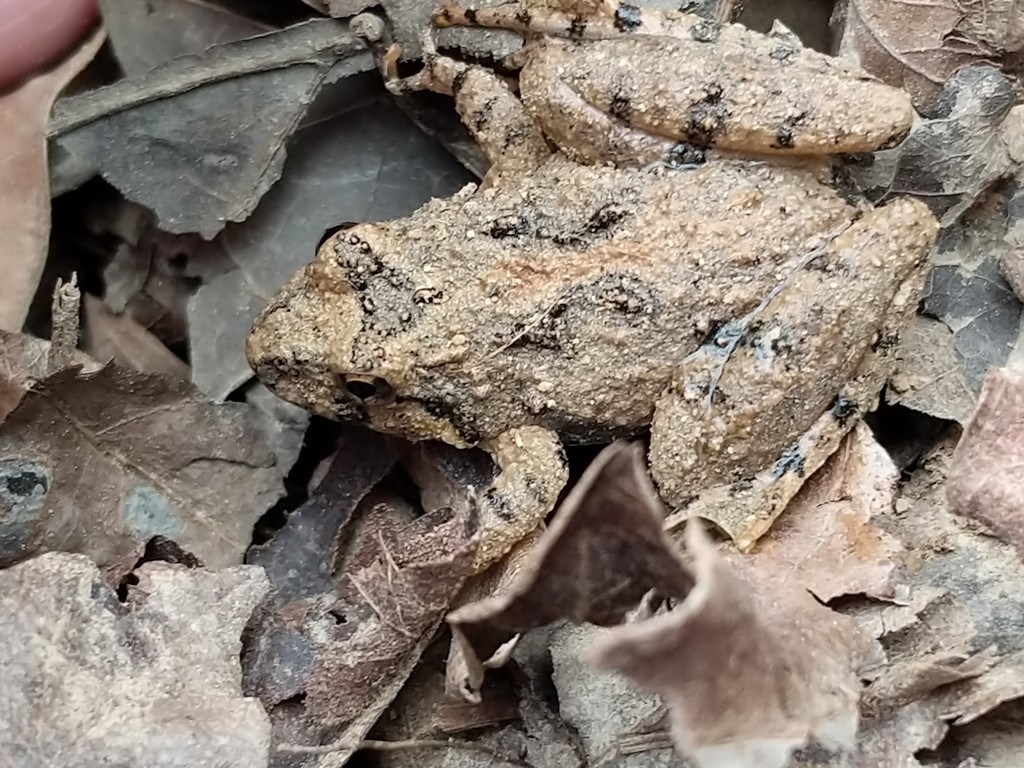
column 300, row 346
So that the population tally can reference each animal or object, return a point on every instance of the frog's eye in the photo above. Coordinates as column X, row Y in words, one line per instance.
column 368, row 389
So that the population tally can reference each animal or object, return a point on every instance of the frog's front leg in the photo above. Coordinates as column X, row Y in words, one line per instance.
column 508, row 135
column 787, row 383
column 532, row 473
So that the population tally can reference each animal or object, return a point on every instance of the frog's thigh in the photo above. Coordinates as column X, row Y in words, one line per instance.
column 581, row 130
column 532, row 473
column 809, row 366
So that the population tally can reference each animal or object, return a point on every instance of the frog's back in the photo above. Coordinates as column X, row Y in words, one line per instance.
column 582, row 293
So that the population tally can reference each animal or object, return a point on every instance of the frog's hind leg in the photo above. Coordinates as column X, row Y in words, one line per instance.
column 587, row 133
column 577, row 19
column 807, row 366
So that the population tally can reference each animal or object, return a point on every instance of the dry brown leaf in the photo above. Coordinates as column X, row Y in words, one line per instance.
column 391, row 605
column 770, row 665
column 604, row 550
column 109, row 336
column 928, row 376
column 89, row 681
column 919, row 45
column 749, row 674
column 1004, row 682
column 100, row 462
column 24, row 360
column 826, row 541
column 25, row 200
column 985, row 475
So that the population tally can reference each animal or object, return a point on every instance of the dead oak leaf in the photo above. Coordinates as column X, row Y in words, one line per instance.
column 749, row 674
column 825, row 541
column 90, row 681
column 769, row 665
column 100, row 462
column 918, row 46
column 392, row 605
column 603, row 552
column 984, row 476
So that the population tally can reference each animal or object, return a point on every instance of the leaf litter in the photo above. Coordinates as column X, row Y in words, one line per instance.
column 878, row 623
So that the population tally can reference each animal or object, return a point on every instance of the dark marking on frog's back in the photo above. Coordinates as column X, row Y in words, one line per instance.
column 524, row 17
column 577, row 27
column 500, row 504
column 707, row 117
column 706, row 31
column 791, row 461
column 843, row 409
column 628, row 17
column 785, row 137
column 783, row 54
column 481, row 117
column 886, row 342
column 686, row 155
column 515, row 225
column 386, row 293
column 621, row 106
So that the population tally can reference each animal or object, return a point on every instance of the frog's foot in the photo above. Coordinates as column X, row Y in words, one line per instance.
column 811, row 365
column 574, row 19
column 532, row 474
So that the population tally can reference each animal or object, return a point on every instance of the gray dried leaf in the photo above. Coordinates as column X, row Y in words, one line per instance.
column 280, row 425
column 100, row 462
column 108, row 336
column 145, row 35
column 967, row 292
column 354, row 165
column 89, row 681
column 928, row 376
column 971, row 139
column 201, row 138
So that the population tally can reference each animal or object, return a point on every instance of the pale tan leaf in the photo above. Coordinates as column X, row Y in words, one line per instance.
column 826, row 541
column 987, row 466
column 25, row 197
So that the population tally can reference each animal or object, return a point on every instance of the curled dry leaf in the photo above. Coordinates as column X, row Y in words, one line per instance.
column 100, row 462
column 984, row 479
column 748, row 674
column 604, row 551
column 770, row 666
column 918, row 46
column 90, row 681
column 25, row 199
